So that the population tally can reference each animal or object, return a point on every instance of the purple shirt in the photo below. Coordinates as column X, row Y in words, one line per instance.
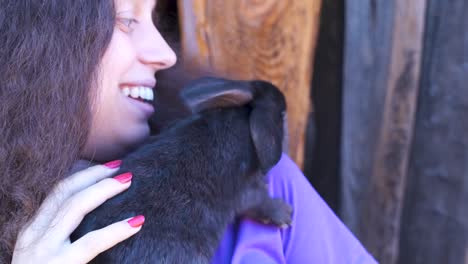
column 316, row 234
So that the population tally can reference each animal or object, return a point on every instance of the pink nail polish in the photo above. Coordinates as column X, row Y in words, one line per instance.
column 124, row 177
column 113, row 164
column 136, row 221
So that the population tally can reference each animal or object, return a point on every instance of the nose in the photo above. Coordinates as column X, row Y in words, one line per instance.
column 154, row 51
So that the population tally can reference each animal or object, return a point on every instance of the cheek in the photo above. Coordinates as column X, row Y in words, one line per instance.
column 117, row 61
column 114, row 129
column 119, row 57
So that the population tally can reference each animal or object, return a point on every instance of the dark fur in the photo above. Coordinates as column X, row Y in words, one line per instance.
column 194, row 178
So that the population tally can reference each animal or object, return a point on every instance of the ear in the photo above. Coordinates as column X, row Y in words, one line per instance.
column 267, row 135
column 267, row 124
column 208, row 93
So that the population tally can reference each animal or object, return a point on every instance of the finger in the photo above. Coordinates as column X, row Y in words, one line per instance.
column 90, row 245
column 76, row 207
column 60, row 193
column 83, row 179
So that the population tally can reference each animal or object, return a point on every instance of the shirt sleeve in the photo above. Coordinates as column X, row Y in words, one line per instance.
column 316, row 234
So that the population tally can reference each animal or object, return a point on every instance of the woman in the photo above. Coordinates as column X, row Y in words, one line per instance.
column 69, row 70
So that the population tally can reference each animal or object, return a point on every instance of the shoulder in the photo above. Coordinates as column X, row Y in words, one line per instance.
column 286, row 181
column 286, row 172
column 316, row 234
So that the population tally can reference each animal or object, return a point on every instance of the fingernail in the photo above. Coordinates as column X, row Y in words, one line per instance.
column 124, row 177
column 136, row 221
column 113, row 164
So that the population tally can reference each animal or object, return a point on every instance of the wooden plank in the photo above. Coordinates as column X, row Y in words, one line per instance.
column 389, row 172
column 435, row 218
column 368, row 35
column 383, row 161
column 250, row 39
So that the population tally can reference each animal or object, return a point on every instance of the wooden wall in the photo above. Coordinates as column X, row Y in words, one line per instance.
column 435, row 214
column 405, row 145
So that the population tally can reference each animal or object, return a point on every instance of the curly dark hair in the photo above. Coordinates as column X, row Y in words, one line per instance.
column 50, row 54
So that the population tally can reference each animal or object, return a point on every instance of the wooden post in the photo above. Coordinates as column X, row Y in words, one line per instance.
column 380, row 226
column 435, row 215
column 271, row 40
column 382, row 66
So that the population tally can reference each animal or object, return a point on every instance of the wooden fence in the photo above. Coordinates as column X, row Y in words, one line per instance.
column 404, row 139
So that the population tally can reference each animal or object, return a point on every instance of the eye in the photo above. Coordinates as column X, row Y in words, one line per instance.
column 127, row 24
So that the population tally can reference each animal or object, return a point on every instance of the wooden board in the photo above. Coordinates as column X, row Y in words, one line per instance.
column 251, row 39
column 382, row 66
column 435, row 216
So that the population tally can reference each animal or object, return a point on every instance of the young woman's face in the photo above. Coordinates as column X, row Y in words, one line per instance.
column 136, row 51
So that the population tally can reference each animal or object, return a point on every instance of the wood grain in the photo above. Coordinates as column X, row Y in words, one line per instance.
column 271, row 40
column 378, row 134
column 389, row 170
column 435, row 215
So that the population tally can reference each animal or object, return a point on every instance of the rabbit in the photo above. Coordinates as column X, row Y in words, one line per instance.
column 194, row 178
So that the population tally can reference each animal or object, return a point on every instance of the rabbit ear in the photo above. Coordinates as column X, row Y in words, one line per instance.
column 267, row 123
column 208, row 92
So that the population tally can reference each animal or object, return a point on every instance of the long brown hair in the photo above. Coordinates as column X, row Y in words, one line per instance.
column 49, row 59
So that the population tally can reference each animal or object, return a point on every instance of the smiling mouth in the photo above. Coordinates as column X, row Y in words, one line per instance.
column 139, row 93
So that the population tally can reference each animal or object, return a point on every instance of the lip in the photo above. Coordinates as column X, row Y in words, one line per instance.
column 150, row 83
column 145, row 108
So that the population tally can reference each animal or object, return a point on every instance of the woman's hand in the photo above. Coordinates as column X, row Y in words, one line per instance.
column 46, row 239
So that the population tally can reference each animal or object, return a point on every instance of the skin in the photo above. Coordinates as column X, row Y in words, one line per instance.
column 136, row 52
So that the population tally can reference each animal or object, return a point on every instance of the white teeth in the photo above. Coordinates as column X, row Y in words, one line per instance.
column 139, row 92
column 126, row 91
column 134, row 92
column 150, row 94
column 143, row 93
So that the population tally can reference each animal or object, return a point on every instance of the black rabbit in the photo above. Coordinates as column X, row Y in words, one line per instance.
column 199, row 174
